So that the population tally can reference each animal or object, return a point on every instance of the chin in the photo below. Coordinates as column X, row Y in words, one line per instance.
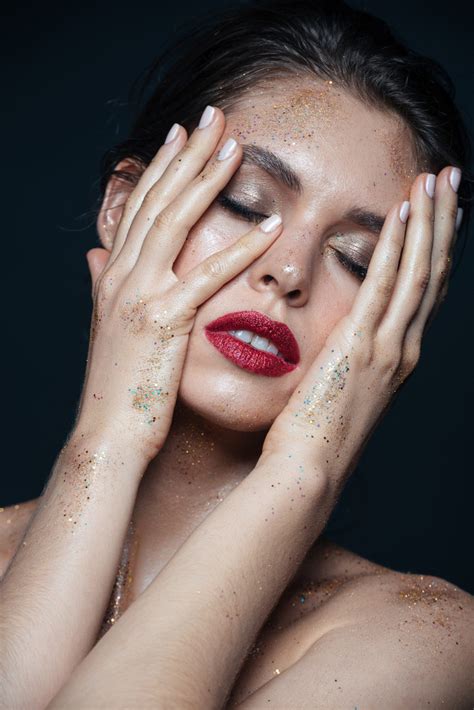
column 227, row 400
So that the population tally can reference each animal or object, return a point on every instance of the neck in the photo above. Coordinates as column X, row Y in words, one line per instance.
column 200, row 464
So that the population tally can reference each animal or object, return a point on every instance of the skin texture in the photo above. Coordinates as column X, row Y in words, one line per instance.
column 213, row 450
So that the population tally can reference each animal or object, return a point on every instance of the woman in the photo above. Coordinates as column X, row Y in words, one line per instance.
column 276, row 235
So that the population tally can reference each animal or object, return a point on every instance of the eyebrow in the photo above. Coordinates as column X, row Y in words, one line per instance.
column 272, row 164
column 279, row 169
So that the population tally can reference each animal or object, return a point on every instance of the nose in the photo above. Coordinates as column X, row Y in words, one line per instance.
column 285, row 272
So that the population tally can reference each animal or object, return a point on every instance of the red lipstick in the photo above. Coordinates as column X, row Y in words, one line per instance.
column 248, row 357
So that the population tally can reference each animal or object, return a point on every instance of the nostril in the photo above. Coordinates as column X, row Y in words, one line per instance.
column 294, row 294
column 267, row 278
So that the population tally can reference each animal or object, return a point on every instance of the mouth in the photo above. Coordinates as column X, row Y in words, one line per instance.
column 254, row 342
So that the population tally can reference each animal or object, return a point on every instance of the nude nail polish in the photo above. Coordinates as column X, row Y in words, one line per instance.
column 271, row 223
column 430, row 184
column 455, row 178
column 404, row 211
column 173, row 132
column 227, row 149
column 207, row 116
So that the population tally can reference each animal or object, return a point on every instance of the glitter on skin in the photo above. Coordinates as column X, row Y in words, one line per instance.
column 81, row 474
column 149, row 394
column 122, row 582
column 304, row 107
column 324, row 392
column 133, row 314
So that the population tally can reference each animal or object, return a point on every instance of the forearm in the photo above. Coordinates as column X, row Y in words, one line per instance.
column 185, row 638
column 55, row 592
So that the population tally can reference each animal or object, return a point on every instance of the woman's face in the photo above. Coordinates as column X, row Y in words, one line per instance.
column 345, row 157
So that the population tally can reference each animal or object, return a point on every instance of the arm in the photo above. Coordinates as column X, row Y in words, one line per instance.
column 220, row 607
column 55, row 592
column 186, row 637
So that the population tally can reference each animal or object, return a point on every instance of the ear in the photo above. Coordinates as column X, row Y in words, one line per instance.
column 115, row 197
column 109, row 217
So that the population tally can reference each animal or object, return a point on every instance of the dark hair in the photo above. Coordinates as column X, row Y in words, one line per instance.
column 228, row 54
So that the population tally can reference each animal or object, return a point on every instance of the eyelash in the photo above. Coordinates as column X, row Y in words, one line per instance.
column 358, row 270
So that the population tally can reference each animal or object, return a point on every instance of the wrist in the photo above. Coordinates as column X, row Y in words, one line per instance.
column 122, row 451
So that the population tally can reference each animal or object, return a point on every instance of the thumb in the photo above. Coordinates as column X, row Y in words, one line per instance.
column 96, row 260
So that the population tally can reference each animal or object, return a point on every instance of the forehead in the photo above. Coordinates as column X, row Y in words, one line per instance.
column 329, row 137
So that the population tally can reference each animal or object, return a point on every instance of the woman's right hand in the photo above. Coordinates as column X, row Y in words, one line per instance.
column 143, row 313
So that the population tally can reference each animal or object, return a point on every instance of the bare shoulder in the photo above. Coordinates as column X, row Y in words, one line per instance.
column 412, row 635
column 14, row 520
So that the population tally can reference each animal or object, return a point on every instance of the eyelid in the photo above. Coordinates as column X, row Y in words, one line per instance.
column 240, row 208
column 359, row 248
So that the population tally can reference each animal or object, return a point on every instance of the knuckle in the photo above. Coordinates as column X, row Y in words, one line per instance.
column 421, row 278
column 384, row 285
column 452, row 211
column 164, row 219
column 441, row 270
column 410, row 358
column 213, row 268
column 150, row 197
column 389, row 360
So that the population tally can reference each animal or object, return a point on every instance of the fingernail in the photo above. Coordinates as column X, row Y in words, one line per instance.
column 227, row 149
column 455, row 178
column 430, row 184
column 459, row 218
column 173, row 132
column 271, row 223
column 404, row 211
column 207, row 116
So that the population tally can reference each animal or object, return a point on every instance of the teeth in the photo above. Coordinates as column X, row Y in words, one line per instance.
column 256, row 341
column 244, row 335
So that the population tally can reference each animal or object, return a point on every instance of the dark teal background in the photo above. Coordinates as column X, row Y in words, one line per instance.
column 67, row 70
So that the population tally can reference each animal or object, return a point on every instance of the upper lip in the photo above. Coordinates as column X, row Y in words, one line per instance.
column 259, row 323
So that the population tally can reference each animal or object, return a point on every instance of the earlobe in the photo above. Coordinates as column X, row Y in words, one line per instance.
column 97, row 260
column 115, row 197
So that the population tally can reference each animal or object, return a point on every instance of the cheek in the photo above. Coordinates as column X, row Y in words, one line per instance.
column 212, row 233
column 333, row 295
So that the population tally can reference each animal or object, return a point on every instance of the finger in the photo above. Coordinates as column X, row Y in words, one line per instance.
column 415, row 267
column 171, row 227
column 445, row 228
column 183, row 168
column 176, row 139
column 219, row 268
column 376, row 290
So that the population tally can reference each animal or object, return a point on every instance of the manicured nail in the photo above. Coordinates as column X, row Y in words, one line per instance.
column 455, row 178
column 207, row 116
column 430, row 184
column 173, row 132
column 271, row 223
column 459, row 218
column 404, row 211
column 227, row 149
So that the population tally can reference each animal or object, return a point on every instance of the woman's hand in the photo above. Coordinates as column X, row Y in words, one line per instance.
column 143, row 313
column 374, row 348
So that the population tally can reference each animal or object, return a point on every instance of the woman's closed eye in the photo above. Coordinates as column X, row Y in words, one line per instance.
column 354, row 254
column 356, row 267
column 240, row 209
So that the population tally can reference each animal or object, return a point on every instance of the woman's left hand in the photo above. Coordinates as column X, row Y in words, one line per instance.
column 374, row 348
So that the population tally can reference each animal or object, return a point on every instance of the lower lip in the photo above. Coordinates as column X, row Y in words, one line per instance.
column 247, row 357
